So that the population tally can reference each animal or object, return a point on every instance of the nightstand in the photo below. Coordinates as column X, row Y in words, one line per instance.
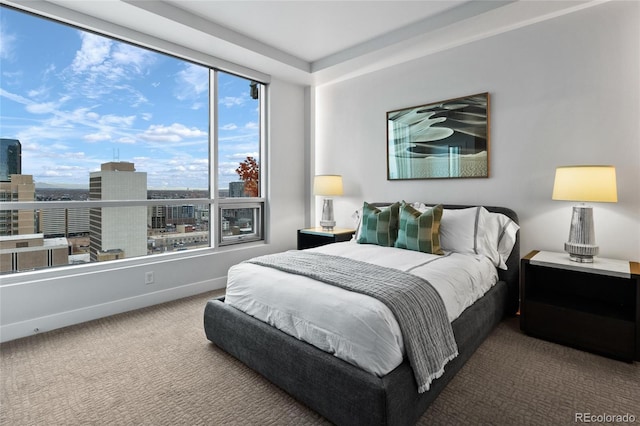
column 590, row 306
column 314, row 237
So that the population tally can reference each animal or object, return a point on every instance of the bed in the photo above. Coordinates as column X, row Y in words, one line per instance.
column 339, row 389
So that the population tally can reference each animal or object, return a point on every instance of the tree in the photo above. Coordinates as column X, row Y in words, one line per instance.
column 249, row 172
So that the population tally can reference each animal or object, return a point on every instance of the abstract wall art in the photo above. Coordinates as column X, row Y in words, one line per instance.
column 446, row 139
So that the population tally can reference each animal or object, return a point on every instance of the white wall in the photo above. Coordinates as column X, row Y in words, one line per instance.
column 564, row 91
column 63, row 296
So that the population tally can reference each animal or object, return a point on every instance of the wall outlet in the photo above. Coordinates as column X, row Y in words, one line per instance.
column 148, row 277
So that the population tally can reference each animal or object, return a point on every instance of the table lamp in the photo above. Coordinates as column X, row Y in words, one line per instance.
column 584, row 184
column 327, row 185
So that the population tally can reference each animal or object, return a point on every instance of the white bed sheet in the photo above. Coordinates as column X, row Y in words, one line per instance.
column 354, row 327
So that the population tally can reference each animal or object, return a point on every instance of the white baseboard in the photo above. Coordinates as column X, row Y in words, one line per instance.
column 64, row 319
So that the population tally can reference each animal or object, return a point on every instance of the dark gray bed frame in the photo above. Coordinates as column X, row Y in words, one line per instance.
column 341, row 392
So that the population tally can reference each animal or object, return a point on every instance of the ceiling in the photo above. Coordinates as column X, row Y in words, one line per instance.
column 313, row 30
column 306, row 41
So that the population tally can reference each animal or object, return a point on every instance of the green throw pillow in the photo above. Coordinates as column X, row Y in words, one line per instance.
column 420, row 231
column 379, row 226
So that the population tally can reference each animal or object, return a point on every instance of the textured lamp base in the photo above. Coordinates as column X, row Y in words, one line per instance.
column 327, row 226
column 582, row 254
column 582, row 238
column 328, row 221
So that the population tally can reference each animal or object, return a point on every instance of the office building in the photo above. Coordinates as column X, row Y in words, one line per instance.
column 21, row 248
column 63, row 222
column 17, row 222
column 10, row 158
column 117, row 232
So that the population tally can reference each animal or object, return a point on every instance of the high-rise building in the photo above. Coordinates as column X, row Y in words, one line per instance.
column 181, row 215
column 10, row 159
column 21, row 249
column 157, row 219
column 117, row 232
column 17, row 222
column 64, row 222
column 236, row 189
column 15, row 186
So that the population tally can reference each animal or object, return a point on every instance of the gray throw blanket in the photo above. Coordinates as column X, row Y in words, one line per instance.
column 417, row 306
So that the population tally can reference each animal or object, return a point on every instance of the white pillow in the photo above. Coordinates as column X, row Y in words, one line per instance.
column 475, row 230
column 497, row 238
column 357, row 221
column 458, row 230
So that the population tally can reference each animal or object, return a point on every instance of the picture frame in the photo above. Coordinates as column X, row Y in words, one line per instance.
column 440, row 140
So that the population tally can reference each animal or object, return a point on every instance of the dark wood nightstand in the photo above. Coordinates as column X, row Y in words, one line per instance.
column 590, row 306
column 314, row 237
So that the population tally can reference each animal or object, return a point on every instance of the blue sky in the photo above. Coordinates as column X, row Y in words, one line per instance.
column 76, row 100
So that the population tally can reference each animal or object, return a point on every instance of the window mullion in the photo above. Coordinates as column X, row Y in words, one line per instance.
column 213, row 156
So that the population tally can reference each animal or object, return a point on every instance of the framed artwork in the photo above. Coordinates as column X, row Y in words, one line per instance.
column 441, row 140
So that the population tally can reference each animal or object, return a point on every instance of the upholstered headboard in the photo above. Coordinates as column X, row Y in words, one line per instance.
column 512, row 275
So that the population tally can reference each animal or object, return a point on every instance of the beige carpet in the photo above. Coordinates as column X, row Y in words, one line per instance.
column 155, row 367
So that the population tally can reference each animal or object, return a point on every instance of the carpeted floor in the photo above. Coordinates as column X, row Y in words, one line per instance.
column 155, row 367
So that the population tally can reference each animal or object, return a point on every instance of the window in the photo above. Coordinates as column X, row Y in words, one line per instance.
column 112, row 151
column 240, row 222
column 239, row 153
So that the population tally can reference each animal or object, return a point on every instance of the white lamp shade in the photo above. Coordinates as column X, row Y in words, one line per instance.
column 586, row 183
column 327, row 185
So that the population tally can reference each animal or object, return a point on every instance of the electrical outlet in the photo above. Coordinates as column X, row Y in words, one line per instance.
column 148, row 277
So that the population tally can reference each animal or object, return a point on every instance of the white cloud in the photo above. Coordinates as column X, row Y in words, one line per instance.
column 138, row 98
column 157, row 137
column 14, row 97
column 83, row 115
column 201, row 162
column 103, row 66
column 117, row 120
column 192, row 82
column 41, row 139
column 126, row 140
column 55, row 173
column 132, row 57
column 34, row 107
column 60, row 171
column 228, row 169
column 7, row 41
column 76, row 155
column 42, row 108
column 39, row 92
column 237, row 139
column 230, row 101
column 178, row 171
column 97, row 137
column 49, row 70
column 174, row 133
column 94, row 51
column 12, row 78
column 242, row 156
column 230, row 126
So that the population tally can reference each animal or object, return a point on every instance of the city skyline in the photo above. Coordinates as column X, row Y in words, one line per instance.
column 76, row 100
